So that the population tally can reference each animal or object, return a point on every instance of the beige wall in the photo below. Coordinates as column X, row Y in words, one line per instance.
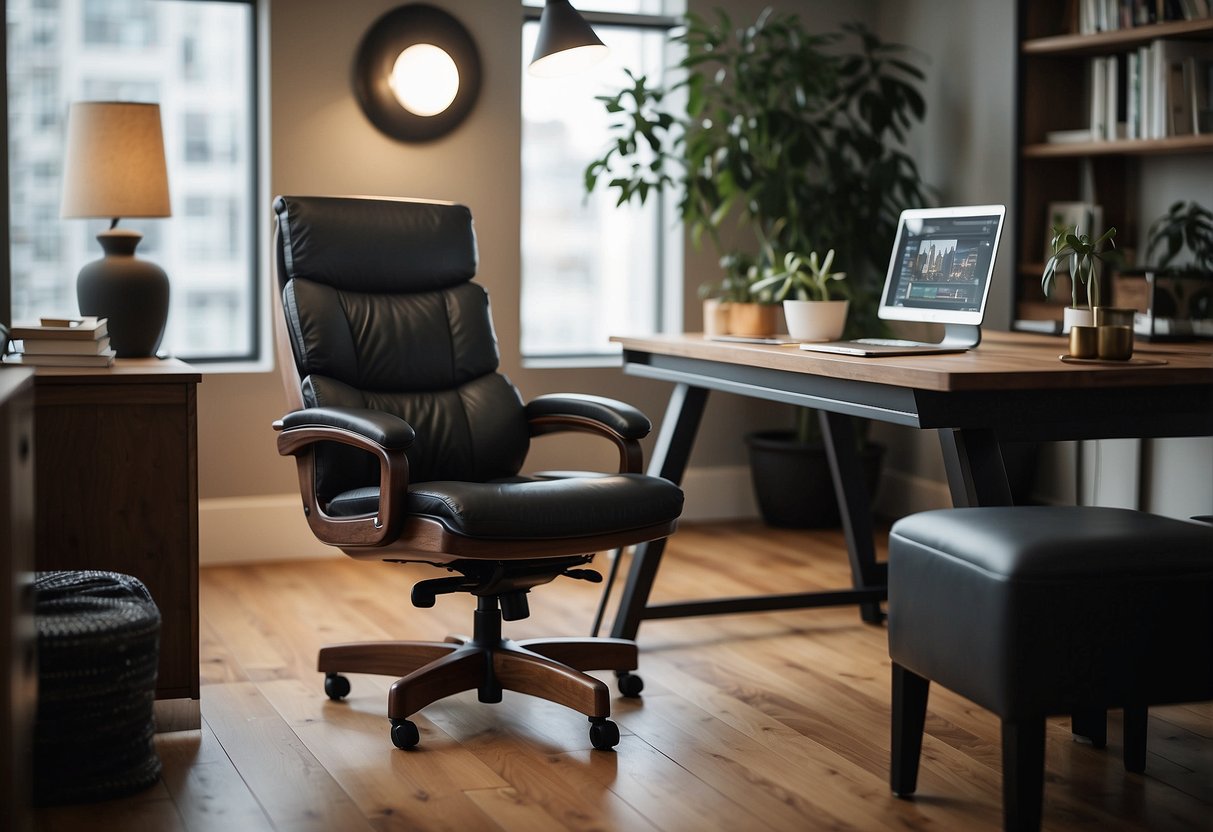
column 320, row 143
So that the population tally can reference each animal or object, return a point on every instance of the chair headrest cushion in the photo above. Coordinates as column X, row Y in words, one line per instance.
column 366, row 244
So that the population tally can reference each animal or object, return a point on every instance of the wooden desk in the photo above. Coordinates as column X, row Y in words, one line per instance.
column 1012, row 387
column 117, row 489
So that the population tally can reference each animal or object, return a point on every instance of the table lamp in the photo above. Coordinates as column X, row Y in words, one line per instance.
column 115, row 168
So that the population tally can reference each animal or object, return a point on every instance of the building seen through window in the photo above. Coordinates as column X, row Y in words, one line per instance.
column 589, row 269
column 195, row 59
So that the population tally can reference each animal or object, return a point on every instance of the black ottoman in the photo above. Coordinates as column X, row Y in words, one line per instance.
column 1037, row 611
column 98, row 649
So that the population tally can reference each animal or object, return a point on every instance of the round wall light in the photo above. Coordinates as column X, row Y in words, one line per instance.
column 417, row 73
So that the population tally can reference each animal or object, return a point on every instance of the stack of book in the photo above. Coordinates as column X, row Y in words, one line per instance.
column 63, row 342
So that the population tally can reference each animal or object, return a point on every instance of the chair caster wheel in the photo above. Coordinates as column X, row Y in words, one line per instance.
column 630, row 685
column 404, row 734
column 336, row 687
column 604, row 734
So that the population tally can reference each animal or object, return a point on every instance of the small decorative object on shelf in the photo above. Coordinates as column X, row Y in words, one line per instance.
column 1082, row 254
column 63, row 342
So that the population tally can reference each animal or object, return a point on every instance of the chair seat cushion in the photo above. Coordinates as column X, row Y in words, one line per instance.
column 540, row 507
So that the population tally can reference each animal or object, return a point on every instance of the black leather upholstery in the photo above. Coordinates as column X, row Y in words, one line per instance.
column 1043, row 609
column 1033, row 611
column 625, row 420
column 383, row 317
column 409, row 443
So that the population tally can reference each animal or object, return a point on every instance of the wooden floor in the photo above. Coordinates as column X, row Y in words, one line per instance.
column 748, row 722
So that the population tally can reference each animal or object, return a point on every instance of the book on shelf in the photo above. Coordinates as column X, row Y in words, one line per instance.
column 1161, row 89
column 62, row 329
column 102, row 359
column 63, row 346
column 1108, row 15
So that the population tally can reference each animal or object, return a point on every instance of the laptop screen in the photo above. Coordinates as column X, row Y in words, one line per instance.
column 941, row 264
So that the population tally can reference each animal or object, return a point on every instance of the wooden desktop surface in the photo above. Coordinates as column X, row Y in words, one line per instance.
column 1012, row 387
column 1003, row 361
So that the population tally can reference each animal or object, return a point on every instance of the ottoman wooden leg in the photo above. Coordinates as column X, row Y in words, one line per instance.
column 1023, row 773
column 909, row 718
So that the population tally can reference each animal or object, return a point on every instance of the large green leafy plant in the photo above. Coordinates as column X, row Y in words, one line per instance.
column 1187, row 225
column 796, row 136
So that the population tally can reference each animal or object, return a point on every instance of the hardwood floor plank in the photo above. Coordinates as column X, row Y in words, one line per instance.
column 422, row 789
column 292, row 787
column 506, row 809
column 526, row 742
column 152, row 810
column 774, row 721
column 734, row 765
column 209, row 792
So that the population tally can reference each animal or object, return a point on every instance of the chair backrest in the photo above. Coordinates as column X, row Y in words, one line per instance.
column 381, row 313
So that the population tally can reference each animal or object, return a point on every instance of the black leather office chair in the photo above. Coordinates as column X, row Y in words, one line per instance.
column 409, row 444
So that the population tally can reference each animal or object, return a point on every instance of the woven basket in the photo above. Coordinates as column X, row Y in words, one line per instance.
column 98, row 649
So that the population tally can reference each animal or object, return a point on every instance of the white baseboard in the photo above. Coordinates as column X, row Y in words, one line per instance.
column 252, row 529
column 272, row 527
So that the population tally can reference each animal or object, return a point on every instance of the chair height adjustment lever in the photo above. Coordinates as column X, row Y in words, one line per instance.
column 425, row 592
column 583, row 575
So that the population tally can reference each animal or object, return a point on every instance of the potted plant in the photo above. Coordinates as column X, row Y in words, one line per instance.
column 1178, row 294
column 1083, row 255
column 1185, row 225
column 794, row 137
column 802, row 284
column 718, row 298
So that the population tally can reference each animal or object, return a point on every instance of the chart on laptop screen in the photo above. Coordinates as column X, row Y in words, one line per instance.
column 943, row 263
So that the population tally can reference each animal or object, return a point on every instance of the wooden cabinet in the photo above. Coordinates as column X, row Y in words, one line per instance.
column 18, row 670
column 1053, row 68
column 117, row 489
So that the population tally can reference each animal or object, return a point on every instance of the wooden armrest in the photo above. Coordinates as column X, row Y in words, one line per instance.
column 623, row 424
column 375, row 529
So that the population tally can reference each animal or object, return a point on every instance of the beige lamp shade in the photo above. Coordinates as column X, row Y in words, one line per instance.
column 115, row 161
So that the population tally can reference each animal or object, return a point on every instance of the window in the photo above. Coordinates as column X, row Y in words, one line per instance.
column 589, row 269
column 195, row 58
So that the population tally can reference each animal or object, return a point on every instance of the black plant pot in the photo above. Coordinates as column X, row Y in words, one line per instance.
column 792, row 479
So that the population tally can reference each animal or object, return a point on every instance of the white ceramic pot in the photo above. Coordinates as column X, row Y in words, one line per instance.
column 816, row 320
column 1076, row 316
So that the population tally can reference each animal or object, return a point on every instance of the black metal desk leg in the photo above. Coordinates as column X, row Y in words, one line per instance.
column 855, row 507
column 669, row 460
column 976, row 474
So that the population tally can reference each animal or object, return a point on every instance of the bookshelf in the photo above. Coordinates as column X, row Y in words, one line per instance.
column 1053, row 74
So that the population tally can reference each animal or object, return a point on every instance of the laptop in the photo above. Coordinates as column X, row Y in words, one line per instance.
column 939, row 272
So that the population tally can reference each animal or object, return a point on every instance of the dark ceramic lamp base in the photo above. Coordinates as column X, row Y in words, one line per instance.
column 131, row 293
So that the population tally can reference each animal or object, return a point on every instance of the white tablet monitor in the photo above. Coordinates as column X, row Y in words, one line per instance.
column 941, row 264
